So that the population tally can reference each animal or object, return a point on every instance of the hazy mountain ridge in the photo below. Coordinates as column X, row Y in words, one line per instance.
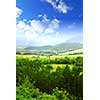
column 60, row 47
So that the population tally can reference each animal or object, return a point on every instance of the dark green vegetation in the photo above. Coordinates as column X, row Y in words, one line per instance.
column 37, row 80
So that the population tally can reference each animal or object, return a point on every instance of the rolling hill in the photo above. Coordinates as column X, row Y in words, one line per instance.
column 58, row 48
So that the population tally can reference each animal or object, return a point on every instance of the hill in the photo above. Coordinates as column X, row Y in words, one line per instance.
column 73, row 52
column 59, row 48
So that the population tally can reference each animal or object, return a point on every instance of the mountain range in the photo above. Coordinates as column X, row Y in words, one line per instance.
column 59, row 47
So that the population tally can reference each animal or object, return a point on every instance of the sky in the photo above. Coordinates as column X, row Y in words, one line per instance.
column 48, row 22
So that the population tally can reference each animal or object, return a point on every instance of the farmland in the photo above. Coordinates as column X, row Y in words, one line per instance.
column 37, row 54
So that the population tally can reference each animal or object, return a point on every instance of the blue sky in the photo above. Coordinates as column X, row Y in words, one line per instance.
column 48, row 22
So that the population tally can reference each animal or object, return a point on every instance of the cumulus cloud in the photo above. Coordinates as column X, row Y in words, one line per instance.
column 45, row 25
column 53, row 25
column 36, row 32
column 18, row 12
column 49, row 30
column 58, row 5
column 37, row 26
column 22, row 27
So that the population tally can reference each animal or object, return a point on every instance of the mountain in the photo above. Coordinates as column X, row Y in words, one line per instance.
column 59, row 48
column 68, row 46
column 20, row 47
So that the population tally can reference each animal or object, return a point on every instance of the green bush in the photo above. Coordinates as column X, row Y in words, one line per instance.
column 33, row 76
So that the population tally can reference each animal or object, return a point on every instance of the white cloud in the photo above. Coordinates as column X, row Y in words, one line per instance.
column 45, row 18
column 37, row 26
column 49, row 30
column 40, row 15
column 54, row 24
column 58, row 5
column 50, row 39
column 35, row 32
column 62, row 7
column 18, row 12
column 21, row 27
column 50, row 25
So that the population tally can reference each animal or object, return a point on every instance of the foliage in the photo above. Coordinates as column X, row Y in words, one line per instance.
column 36, row 81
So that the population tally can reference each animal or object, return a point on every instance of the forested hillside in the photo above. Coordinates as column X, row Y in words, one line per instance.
column 37, row 79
